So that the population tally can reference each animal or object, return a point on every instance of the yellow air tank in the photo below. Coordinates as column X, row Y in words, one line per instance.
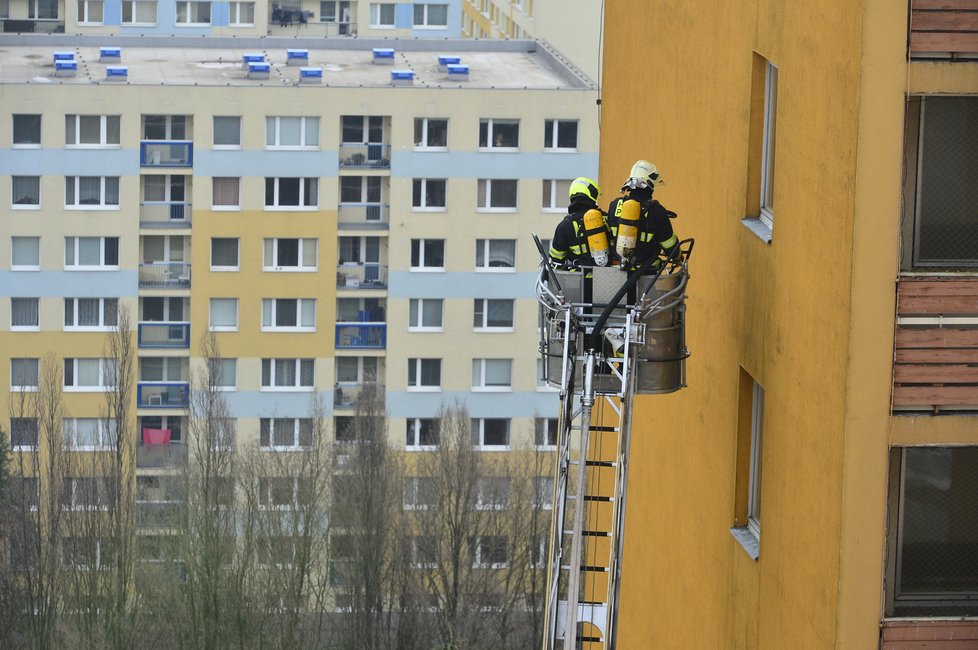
column 597, row 236
column 628, row 213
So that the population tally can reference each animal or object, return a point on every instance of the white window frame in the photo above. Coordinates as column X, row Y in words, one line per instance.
column 415, row 375
column 480, row 306
column 190, row 13
column 480, row 370
column 134, row 12
column 73, row 131
column 308, row 132
column 421, row 184
column 423, row 245
column 85, row 10
column 73, row 242
column 377, row 15
column 106, row 434
column 34, row 429
column 477, row 553
column 488, row 488
column 14, row 204
column 297, row 385
column 768, row 147
column 237, row 254
column 271, row 306
column 296, row 425
column 234, row 17
column 101, row 489
column 543, row 492
column 24, row 242
column 542, row 429
column 417, row 547
column 220, row 207
column 484, row 190
column 425, row 122
column 226, row 370
column 34, row 327
column 416, row 314
column 217, row 145
column 415, row 490
column 484, row 247
column 106, row 374
column 491, row 123
column 554, row 193
column 265, row 486
column 26, row 145
column 15, row 384
column 756, row 452
column 425, row 18
column 222, row 302
column 479, row 434
column 75, row 310
column 273, row 266
column 313, row 188
column 413, row 427
column 552, row 128
column 104, row 181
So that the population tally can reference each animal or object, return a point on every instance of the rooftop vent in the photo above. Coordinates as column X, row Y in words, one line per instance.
column 259, row 70
column 64, row 56
column 109, row 54
column 296, row 57
column 383, row 56
column 457, row 72
column 116, row 73
column 251, row 58
column 402, row 77
column 66, row 68
column 310, row 75
column 448, row 59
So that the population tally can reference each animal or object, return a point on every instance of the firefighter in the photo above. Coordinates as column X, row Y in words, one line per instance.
column 640, row 226
column 582, row 237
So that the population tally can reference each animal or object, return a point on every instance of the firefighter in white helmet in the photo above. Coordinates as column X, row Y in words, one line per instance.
column 582, row 237
column 640, row 225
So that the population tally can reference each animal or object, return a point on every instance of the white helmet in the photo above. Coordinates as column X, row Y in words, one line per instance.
column 643, row 174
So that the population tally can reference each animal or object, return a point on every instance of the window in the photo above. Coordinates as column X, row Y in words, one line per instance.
column 285, row 433
column 497, row 194
column 89, row 374
column 489, row 552
column 430, row 15
column 425, row 314
column 42, row 9
column 492, row 493
column 92, row 130
column 382, row 15
column 429, row 194
column 420, row 493
column 543, row 492
column 545, row 432
column 23, row 433
column 495, row 254
column 756, row 446
column 227, row 130
column 362, row 129
column 162, row 128
column 161, row 369
column 226, row 193
column 768, row 150
column 287, row 374
column 242, row 14
column 224, row 314
column 424, row 374
column 193, row 13
column 492, row 374
column 428, row 254
column 499, row 134
column 294, row 314
column 283, row 492
column 430, row 133
column 932, row 532
column 290, row 254
column 761, row 164
column 91, row 314
column 27, row 131
column 24, row 374
column 493, row 313
column 224, row 254
column 360, row 310
column 292, row 132
column 138, row 12
column 491, row 433
column 25, row 192
column 89, row 12
column 159, row 309
column 87, row 493
column 560, row 135
column 87, row 253
column 25, row 253
column 91, row 191
column 172, row 422
column 86, row 434
column 555, row 195
column 222, row 373
column 421, row 551
column 750, row 445
column 23, row 314
column 291, row 193
column 335, row 11
column 422, row 434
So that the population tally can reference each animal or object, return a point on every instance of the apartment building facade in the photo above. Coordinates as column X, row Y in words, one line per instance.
column 814, row 486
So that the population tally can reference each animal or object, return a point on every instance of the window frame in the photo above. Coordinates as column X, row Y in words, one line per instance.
column 480, row 306
column 234, row 11
column 273, row 132
column 75, row 183
column 414, row 428
column 480, row 372
column 543, row 430
column 756, row 452
column 103, row 311
column 377, row 16
column 15, row 204
column 211, row 327
column 425, row 18
column 214, row 131
column 15, row 385
column 188, row 7
column 225, row 207
column 37, row 249
column 484, row 249
column 31, row 144
column 73, row 128
column 297, row 386
column 479, row 434
column 308, row 190
column 416, row 310
column 103, row 369
column 422, row 246
column 224, row 268
column 217, row 370
column 273, row 313
column 267, row 433
column 300, row 267
column 416, row 369
column 133, row 22
column 490, row 123
column 557, row 193
column 419, row 190
column 415, row 490
column 476, row 543
column 551, row 129
column 484, row 193
column 24, row 426
column 425, row 123
column 33, row 327
column 768, row 146
column 102, row 254
column 84, row 21
column 105, row 437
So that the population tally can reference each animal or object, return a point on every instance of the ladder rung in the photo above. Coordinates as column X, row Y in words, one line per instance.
column 588, row 497
column 594, row 463
column 603, row 429
column 587, row 567
column 590, row 533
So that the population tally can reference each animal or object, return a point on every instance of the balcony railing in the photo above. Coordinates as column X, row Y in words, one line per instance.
column 163, row 335
column 160, row 456
column 943, row 28
column 158, row 514
column 346, row 394
column 936, row 344
column 363, row 215
column 162, row 394
column 166, row 154
column 365, row 155
column 164, row 214
column 164, row 275
column 361, row 336
column 33, row 26
column 361, row 276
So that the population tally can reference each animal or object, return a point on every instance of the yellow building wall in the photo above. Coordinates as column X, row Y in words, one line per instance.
column 809, row 317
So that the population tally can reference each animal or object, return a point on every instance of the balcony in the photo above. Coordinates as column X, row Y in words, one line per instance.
column 163, row 394
column 33, row 26
column 346, row 394
column 361, row 336
column 166, row 456
column 943, row 28
column 158, row 514
column 164, row 275
column 365, row 156
column 164, row 214
column 163, row 335
column 176, row 153
column 373, row 216
column 936, row 345
column 361, row 276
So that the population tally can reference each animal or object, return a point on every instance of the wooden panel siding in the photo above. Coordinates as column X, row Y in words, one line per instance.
column 929, row 634
column 935, row 362
column 948, row 27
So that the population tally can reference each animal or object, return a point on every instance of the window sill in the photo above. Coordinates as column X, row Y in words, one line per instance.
column 759, row 228
column 25, row 206
column 426, row 329
column 421, row 208
column 747, row 540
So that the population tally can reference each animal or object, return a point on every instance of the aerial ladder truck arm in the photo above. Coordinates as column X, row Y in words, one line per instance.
column 608, row 335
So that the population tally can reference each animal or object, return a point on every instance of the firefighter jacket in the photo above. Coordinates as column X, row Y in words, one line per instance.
column 569, row 243
column 654, row 226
